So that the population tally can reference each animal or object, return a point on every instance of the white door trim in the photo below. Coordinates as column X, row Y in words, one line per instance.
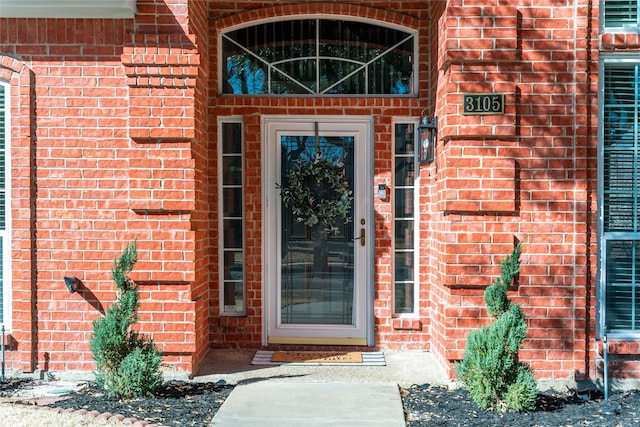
column 273, row 331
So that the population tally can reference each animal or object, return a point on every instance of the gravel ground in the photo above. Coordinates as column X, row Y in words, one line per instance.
column 180, row 403
column 30, row 416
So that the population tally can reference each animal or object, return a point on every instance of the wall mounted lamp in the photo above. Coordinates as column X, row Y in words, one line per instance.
column 427, row 135
column 72, row 283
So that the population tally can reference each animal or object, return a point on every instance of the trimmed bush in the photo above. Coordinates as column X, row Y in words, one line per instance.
column 491, row 370
column 128, row 364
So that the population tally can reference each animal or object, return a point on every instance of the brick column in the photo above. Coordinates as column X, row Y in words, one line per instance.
column 477, row 170
column 23, row 332
column 161, row 72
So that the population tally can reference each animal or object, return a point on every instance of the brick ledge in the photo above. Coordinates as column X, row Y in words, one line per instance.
column 407, row 324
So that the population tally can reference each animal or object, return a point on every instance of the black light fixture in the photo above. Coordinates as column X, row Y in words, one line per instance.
column 427, row 135
column 72, row 283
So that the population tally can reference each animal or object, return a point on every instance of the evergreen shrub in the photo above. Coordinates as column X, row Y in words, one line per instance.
column 490, row 369
column 128, row 364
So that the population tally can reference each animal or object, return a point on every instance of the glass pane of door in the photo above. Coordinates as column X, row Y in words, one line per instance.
column 317, row 262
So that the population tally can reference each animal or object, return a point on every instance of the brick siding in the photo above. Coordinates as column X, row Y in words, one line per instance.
column 114, row 138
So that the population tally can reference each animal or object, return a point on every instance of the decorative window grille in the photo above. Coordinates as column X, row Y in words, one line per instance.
column 404, row 205
column 318, row 56
column 619, row 189
column 232, row 265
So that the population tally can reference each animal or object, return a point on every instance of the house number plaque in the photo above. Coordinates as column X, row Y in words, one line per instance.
column 482, row 103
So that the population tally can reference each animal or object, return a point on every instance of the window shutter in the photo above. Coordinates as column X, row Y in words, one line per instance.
column 620, row 13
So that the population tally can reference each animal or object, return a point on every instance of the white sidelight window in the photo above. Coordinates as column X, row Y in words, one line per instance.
column 231, row 196
column 405, row 248
column 5, row 213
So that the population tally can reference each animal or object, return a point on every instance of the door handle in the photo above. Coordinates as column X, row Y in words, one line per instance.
column 362, row 237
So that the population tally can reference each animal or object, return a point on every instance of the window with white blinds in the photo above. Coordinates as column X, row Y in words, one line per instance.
column 620, row 198
column 4, row 232
column 621, row 13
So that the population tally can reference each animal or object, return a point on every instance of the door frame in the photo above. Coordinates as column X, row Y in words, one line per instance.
column 274, row 333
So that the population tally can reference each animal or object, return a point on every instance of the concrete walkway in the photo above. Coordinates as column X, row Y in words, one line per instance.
column 270, row 404
column 403, row 368
column 316, row 396
column 300, row 396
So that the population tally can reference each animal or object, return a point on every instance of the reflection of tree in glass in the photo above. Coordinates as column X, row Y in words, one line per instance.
column 317, row 182
column 245, row 76
column 304, row 148
column 345, row 58
column 335, row 76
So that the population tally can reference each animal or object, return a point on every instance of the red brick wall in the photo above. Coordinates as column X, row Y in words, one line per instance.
column 529, row 175
column 201, row 147
column 114, row 137
column 20, row 77
column 103, row 136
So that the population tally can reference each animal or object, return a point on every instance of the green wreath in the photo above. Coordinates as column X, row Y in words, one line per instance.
column 317, row 192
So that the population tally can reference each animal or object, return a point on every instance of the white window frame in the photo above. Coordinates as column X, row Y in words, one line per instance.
column 6, row 233
column 223, row 311
column 416, row 217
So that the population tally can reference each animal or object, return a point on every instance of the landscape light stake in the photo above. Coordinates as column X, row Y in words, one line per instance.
column 606, row 367
column 2, row 353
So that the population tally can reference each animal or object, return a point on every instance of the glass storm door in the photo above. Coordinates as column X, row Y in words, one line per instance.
column 318, row 276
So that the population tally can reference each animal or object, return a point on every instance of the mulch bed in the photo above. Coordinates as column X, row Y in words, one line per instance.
column 439, row 406
column 12, row 384
column 176, row 403
column 179, row 403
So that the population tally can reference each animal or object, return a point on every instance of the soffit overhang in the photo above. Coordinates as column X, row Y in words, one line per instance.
column 119, row 9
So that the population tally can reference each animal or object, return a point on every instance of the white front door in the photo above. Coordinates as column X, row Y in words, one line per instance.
column 318, row 283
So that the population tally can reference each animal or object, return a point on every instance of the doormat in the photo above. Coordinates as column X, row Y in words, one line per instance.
column 319, row 358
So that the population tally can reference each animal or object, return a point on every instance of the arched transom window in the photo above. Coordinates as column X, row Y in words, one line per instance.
column 318, row 56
